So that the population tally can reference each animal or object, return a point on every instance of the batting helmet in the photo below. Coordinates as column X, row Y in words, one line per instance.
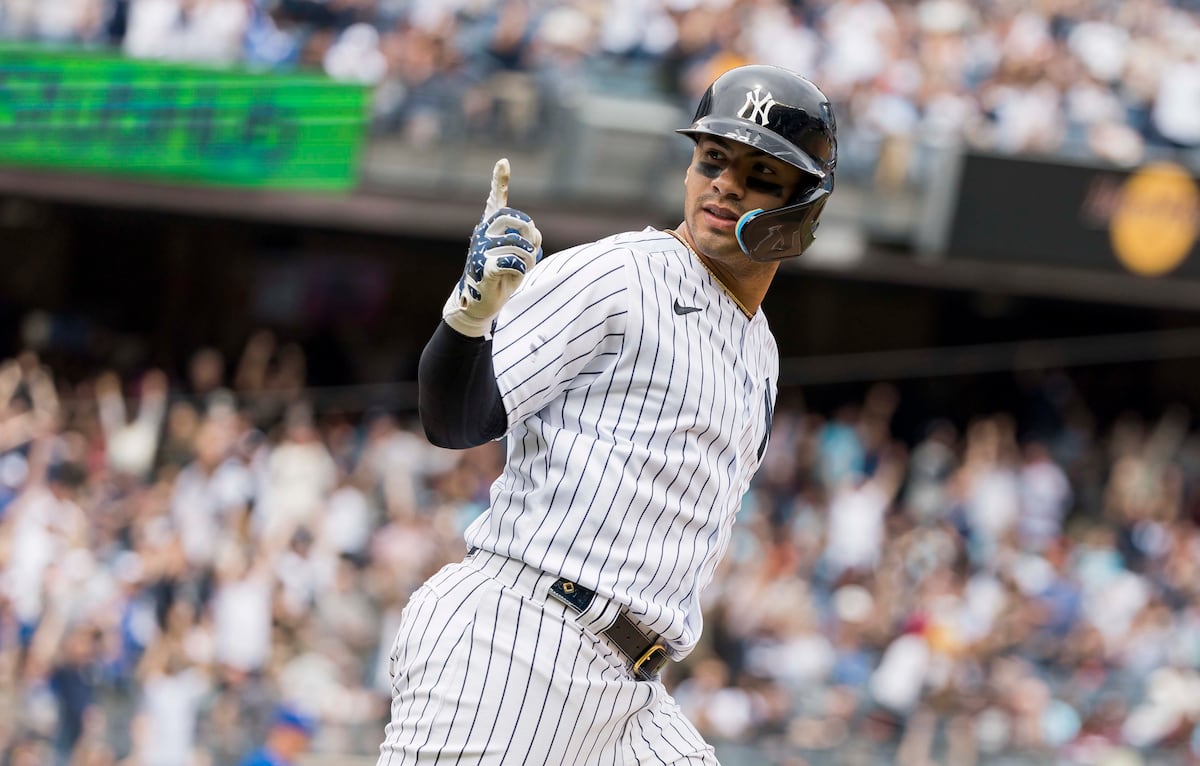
column 784, row 115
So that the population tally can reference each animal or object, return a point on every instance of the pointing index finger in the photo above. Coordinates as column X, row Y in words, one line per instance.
column 498, row 196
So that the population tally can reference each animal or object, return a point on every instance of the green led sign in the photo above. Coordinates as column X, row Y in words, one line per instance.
column 75, row 110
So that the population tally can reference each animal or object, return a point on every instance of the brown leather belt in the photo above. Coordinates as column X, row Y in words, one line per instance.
column 645, row 656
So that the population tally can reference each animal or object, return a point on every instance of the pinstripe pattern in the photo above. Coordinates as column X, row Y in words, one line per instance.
column 487, row 670
column 634, row 430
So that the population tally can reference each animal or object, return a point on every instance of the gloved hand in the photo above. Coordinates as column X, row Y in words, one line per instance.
column 504, row 246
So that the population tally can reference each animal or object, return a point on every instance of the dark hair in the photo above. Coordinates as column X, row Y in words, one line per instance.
column 67, row 474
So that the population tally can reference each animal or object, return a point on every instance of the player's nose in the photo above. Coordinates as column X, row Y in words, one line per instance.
column 729, row 183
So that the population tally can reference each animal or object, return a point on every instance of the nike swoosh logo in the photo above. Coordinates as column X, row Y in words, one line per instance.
column 681, row 310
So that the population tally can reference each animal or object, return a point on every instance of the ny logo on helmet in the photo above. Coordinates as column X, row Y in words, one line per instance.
column 757, row 106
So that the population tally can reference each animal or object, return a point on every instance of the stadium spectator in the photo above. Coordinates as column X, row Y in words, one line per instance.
column 205, row 31
column 1175, row 116
column 72, row 680
column 132, row 445
column 288, row 739
column 1045, row 498
column 174, row 685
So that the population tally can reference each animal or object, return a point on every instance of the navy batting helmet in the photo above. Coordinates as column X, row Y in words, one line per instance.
column 784, row 115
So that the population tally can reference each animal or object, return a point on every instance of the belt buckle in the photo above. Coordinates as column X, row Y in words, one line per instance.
column 646, row 657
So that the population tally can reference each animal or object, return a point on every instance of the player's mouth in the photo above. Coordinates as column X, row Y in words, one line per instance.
column 720, row 217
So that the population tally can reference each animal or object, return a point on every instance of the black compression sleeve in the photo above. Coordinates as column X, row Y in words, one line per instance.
column 458, row 398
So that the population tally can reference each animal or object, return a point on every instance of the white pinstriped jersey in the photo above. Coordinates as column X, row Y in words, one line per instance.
column 635, row 424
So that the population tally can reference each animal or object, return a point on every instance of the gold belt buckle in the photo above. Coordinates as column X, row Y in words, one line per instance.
column 637, row 666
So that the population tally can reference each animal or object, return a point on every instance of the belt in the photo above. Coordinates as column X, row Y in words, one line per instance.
column 646, row 656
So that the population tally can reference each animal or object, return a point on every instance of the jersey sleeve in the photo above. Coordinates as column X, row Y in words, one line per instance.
column 457, row 399
column 562, row 328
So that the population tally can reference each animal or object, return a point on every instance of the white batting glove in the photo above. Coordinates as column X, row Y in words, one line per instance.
column 504, row 246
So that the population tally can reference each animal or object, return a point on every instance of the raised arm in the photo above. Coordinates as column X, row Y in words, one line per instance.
column 459, row 402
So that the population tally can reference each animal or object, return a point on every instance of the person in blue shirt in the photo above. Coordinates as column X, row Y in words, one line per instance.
column 288, row 738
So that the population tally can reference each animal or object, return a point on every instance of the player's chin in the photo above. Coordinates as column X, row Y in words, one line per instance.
column 719, row 244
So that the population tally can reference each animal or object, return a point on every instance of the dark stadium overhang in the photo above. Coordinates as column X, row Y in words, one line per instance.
column 885, row 265
column 370, row 211
column 867, row 234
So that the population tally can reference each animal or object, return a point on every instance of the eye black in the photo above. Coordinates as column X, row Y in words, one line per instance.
column 764, row 187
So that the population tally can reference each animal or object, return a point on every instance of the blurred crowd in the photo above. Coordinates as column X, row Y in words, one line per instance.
column 993, row 589
column 184, row 556
column 1114, row 79
column 182, row 563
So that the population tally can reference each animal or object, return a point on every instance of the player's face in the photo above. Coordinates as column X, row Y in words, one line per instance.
column 725, row 180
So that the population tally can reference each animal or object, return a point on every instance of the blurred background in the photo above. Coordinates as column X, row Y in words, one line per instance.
column 228, row 227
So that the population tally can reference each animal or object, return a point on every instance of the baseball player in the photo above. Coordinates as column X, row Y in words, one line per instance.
column 634, row 378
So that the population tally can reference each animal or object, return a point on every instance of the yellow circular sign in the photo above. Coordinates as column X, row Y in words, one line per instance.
column 1157, row 220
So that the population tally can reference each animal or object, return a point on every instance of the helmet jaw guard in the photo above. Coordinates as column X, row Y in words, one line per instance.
column 783, row 115
column 785, row 232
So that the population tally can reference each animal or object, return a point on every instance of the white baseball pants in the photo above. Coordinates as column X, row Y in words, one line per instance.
column 487, row 669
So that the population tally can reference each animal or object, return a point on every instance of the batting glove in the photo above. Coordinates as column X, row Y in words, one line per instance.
column 504, row 246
